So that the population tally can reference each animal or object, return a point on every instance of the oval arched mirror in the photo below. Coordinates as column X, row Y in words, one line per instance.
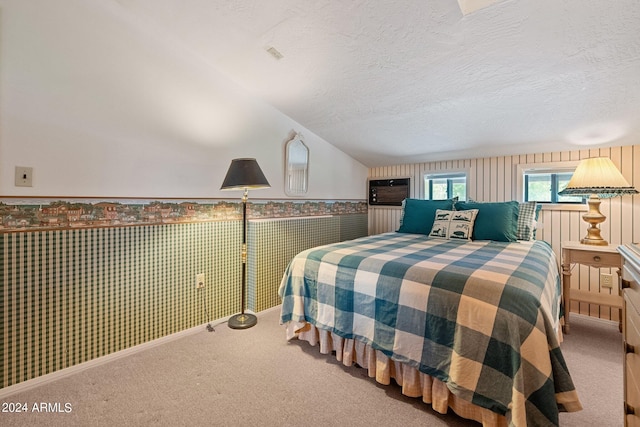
column 297, row 167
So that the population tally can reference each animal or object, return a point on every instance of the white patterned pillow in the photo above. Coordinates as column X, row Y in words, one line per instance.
column 454, row 225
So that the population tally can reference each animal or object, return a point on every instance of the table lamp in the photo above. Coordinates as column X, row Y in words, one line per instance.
column 598, row 178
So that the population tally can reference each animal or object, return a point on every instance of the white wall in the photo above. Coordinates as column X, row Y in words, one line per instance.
column 100, row 105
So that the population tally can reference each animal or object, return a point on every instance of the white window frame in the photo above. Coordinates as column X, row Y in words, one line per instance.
column 441, row 173
column 550, row 167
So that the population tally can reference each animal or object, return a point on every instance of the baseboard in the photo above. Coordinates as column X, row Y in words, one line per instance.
column 588, row 318
column 63, row 373
column 275, row 307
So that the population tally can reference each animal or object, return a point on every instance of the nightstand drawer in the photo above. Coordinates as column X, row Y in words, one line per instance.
column 595, row 259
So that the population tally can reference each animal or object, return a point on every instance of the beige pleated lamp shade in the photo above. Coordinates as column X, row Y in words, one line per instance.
column 597, row 176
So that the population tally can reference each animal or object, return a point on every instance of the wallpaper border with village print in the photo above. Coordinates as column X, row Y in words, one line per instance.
column 41, row 213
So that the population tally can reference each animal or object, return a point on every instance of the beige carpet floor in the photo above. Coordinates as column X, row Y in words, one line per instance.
column 255, row 377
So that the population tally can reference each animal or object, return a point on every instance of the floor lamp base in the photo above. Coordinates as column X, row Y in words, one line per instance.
column 242, row 321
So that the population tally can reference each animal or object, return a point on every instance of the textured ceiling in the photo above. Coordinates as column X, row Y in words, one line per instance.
column 392, row 82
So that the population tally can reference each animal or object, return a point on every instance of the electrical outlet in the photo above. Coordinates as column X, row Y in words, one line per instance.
column 606, row 280
column 24, row 176
column 199, row 280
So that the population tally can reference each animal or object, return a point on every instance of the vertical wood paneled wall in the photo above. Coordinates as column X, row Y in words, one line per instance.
column 494, row 179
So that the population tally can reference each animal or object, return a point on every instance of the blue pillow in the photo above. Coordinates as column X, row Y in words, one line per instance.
column 495, row 221
column 418, row 215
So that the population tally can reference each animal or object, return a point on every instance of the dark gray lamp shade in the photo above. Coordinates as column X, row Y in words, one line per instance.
column 244, row 173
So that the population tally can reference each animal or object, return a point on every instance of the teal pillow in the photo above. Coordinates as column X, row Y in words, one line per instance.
column 495, row 221
column 418, row 215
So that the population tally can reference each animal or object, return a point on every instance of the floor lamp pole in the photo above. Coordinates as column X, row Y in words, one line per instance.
column 243, row 320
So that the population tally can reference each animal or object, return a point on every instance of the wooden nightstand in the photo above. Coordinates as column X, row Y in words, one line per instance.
column 593, row 256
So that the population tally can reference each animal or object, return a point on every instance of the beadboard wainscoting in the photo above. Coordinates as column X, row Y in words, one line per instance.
column 495, row 179
column 72, row 295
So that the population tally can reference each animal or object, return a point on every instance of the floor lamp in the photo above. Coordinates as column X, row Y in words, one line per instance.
column 244, row 174
column 598, row 178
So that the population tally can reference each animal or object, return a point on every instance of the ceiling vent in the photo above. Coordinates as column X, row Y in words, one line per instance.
column 470, row 6
column 274, row 52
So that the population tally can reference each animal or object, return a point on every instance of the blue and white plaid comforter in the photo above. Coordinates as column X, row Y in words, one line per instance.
column 481, row 316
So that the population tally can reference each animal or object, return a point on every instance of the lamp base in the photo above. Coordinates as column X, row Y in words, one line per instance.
column 594, row 242
column 242, row 321
column 594, row 217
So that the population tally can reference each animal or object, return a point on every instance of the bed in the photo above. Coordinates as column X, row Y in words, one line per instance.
column 470, row 325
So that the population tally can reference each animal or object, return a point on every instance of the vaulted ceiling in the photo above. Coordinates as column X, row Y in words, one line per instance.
column 392, row 82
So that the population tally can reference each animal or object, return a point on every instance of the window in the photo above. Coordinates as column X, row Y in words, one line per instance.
column 544, row 188
column 446, row 185
column 542, row 182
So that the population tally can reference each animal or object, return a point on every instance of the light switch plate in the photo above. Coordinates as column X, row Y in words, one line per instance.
column 24, row 176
